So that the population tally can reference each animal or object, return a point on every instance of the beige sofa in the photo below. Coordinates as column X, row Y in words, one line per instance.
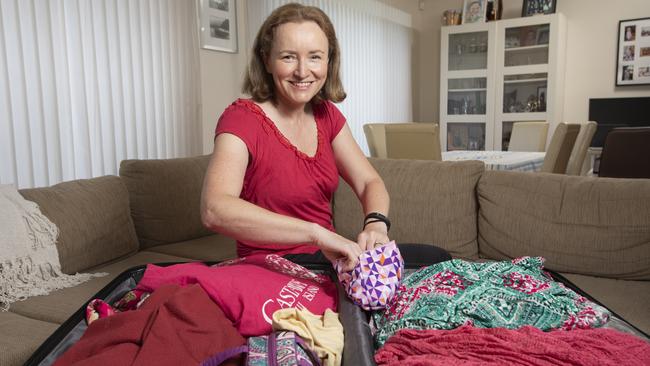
column 596, row 231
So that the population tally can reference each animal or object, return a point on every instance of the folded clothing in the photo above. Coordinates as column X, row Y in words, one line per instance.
column 251, row 289
column 322, row 334
column 528, row 345
column 508, row 294
column 174, row 326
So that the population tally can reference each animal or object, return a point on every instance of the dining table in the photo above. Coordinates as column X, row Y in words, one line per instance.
column 500, row 160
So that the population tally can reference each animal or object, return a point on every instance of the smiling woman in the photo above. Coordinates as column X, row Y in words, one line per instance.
column 278, row 156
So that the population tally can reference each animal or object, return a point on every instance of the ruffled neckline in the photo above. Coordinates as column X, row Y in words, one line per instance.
column 259, row 112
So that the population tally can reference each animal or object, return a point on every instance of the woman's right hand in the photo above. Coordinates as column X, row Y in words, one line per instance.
column 334, row 247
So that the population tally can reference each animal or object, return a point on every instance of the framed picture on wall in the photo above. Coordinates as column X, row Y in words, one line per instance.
column 536, row 7
column 474, row 11
column 218, row 25
column 633, row 52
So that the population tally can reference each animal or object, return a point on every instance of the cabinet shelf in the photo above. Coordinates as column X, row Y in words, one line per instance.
column 467, row 90
column 520, row 81
column 526, row 48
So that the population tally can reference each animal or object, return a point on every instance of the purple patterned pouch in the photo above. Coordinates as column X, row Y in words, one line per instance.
column 375, row 279
column 280, row 348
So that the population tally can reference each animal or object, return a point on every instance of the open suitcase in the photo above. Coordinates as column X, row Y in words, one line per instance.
column 358, row 338
column 358, row 346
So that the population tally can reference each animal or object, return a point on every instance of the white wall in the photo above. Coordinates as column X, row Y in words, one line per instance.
column 591, row 50
column 221, row 79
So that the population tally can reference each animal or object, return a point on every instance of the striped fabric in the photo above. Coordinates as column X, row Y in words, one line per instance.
column 500, row 160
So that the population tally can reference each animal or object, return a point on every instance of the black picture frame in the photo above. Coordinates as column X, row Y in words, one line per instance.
column 633, row 52
column 536, row 7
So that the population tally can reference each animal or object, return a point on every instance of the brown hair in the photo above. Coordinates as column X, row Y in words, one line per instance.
column 259, row 83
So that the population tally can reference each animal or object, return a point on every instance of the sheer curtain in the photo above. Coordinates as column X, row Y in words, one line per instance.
column 375, row 42
column 85, row 84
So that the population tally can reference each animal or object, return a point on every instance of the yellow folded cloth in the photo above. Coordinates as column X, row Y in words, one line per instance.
column 323, row 334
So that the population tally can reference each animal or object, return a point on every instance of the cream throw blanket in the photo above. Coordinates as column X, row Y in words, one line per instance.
column 29, row 260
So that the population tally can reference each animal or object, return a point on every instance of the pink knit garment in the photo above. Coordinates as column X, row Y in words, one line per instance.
column 525, row 346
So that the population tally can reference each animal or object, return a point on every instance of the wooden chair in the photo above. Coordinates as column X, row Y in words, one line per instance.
column 559, row 150
column 577, row 157
column 528, row 136
column 413, row 141
column 626, row 153
column 376, row 139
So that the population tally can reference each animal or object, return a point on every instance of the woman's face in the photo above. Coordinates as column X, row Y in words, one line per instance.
column 298, row 62
column 474, row 8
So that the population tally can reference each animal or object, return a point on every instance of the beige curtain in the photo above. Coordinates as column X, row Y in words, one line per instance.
column 85, row 84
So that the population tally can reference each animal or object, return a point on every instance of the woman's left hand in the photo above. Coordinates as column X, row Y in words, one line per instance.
column 373, row 234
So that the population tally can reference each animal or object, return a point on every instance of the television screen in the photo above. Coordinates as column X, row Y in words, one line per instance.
column 617, row 112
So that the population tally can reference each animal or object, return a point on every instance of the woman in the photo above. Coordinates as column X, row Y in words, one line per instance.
column 277, row 158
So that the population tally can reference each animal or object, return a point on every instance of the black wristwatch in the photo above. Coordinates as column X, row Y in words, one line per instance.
column 376, row 217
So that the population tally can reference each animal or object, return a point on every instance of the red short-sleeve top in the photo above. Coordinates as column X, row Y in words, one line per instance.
column 281, row 178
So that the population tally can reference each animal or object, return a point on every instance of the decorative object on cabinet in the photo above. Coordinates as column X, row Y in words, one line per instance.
column 474, row 11
column 218, row 25
column 541, row 98
column 535, row 7
column 494, row 9
column 452, row 17
column 633, row 60
column 542, row 36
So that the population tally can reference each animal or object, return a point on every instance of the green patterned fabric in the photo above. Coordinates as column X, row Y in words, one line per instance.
column 505, row 294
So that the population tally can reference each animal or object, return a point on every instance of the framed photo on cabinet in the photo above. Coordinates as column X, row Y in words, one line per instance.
column 633, row 52
column 474, row 11
column 535, row 7
column 218, row 25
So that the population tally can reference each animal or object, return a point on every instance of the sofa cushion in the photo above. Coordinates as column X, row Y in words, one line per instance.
column 431, row 202
column 208, row 248
column 628, row 299
column 20, row 337
column 165, row 198
column 69, row 300
column 93, row 218
column 583, row 225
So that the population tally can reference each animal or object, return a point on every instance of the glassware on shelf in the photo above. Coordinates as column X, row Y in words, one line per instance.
column 526, row 45
column 466, row 96
column 468, row 51
column 465, row 136
column 525, row 93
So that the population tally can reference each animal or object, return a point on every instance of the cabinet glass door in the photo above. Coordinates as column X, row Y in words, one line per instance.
column 525, row 93
column 466, row 96
column 468, row 51
column 465, row 136
column 527, row 45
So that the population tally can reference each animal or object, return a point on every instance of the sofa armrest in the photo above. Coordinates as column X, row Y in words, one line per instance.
column 93, row 218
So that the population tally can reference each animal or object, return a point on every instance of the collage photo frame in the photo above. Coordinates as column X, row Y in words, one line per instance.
column 633, row 52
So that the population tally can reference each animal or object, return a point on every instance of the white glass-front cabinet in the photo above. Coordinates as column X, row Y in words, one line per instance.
column 497, row 73
column 467, row 86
